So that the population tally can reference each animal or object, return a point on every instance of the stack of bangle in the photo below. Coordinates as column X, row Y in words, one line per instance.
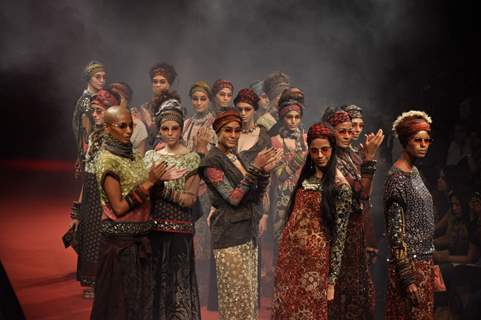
column 406, row 274
column 75, row 210
column 137, row 197
column 368, row 168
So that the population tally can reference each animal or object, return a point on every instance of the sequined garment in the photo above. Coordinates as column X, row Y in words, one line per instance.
column 90, row 215
column 169, row 216
column 176, row 295
column 130, row 173
column 354, row 294
column 308, row 258
column 409, row 218
column 236, row 269
column 82, row 125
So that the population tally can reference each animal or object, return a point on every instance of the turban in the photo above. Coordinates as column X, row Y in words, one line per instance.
column 224, row 118
column 319, row 130
column 92, row 68
column 248, row 96
column 354, row 111
column 275, row 84
column 200, row 86
column 170, row 109
column 338, row 117
column 409, row 123
column 123, row 89
column 165, row 70
column 105, row 99
column 221, row 84
column 290, row 105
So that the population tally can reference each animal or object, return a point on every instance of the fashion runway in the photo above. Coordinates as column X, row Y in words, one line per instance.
column 35, row 201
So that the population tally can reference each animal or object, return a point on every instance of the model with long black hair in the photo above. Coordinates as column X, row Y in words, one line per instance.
column 312, row 242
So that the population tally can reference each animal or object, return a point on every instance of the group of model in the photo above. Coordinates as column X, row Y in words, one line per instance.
column 153, row 177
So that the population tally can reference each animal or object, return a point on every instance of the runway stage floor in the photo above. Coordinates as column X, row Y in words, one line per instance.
column 34, row 213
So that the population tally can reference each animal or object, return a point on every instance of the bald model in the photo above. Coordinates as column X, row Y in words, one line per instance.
column 113, row 114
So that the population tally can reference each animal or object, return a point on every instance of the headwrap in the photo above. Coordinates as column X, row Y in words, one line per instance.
column 355, row 112
column 165, row 70
column 123, row 89
column 225, row 117
column 290, row 105
column 338, row 117
column 201, row 86
column 292, row 93
column 409, row 123
column 92, row 68
column 275, row 84
column 257, row 87
column 249, row 96
column 220, row 84
column 170, row 109
column 319, row 130
column 105, row 98
column 172, row 114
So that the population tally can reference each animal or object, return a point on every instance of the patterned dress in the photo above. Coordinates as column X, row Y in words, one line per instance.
column 410, row 227
column 233, row 233
column 354, row 295
column 176, row 294
column 308, row 258
column 123, row 288
column 90, row 216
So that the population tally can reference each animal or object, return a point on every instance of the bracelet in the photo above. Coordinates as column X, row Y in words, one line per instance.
column 368, row 167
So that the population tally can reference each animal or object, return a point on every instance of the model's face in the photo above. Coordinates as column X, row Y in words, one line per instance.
column 224, row 97
column 98, row 114
column 292, row 120
column 246, row 112
column 159, row 84
column 320, row 151
column 97, row 81
column 264, row 101
column 229, row 135
column 357, row 127
column 170, row 131
column 121, row 129
column 200, row 101
column 343, row 132
column 456, row 208
column 418, row 145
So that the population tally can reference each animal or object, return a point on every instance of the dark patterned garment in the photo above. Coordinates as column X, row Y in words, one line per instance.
column 176, row 294
column 398, row 307
column 410, row 226
column 354, row 294
column 90, row 215
column 82, row 126
column 123, row 287
column 308, row 259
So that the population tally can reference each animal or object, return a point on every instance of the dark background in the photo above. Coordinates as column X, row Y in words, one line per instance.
column 386, row 56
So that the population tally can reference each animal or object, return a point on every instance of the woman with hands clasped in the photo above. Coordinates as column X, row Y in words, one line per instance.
column 236, row 188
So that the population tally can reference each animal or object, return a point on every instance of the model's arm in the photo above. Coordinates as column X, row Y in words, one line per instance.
column 343, row 209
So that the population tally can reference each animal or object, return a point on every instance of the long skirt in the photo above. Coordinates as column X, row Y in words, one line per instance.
column 398, row 306
column 354, row 294
column 89, row 231
column 176, row 294
column 123, row 288
column 237, row 281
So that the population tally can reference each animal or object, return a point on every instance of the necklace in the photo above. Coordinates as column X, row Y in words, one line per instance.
column 249, row 130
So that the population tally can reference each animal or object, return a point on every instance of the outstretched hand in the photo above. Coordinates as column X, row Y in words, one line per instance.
column 371, row 144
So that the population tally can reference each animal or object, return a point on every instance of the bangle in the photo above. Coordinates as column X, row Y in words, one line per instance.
column 368, row 167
